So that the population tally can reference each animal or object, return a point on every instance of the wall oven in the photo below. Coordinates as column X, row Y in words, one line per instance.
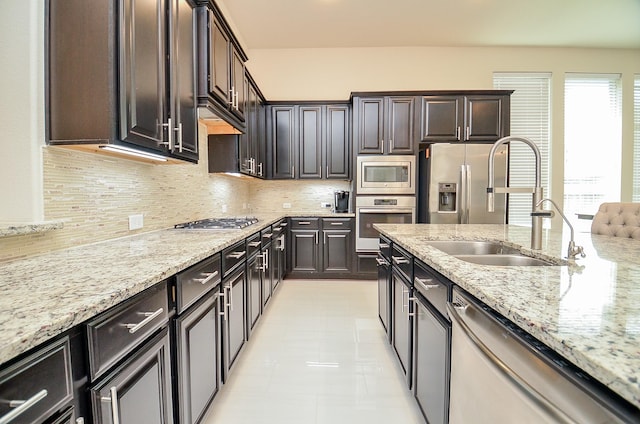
column 386, row 175
column 380, row 210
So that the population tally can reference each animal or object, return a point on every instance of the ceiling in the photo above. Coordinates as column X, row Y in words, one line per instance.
column 276, row 24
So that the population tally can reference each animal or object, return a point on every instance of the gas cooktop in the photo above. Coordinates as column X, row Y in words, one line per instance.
column 218, row 224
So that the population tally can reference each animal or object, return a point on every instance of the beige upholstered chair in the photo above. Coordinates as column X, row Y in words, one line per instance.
column 617, row 220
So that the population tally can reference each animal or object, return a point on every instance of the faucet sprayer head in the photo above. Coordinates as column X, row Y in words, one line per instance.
column 491, row 203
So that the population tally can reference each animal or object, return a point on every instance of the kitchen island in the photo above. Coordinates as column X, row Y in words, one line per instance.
column 588, row 312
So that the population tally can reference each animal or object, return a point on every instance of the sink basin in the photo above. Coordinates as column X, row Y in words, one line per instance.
column 503, row 260
column 471, row 247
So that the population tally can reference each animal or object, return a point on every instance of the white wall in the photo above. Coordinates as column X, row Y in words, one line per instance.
column 21, row 109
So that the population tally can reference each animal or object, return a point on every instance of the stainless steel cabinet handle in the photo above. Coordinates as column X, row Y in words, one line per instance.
column 266, row 260
column 381, row 262
column 281, row 247
column 293, row 172
column 324, row 237
column 260, row 169
column 458, row 133
column 466, row 133
column 230, row 304
column 284, row 224
column 404, row 291
column 411, row 314
column 267, row 235
column 179, row 129
column 210, row 276
column 169, row 142
column 236, row 255
column 304, row 223
column 262, row 267
column 383, row 245
column 400, row 260
column 337, row 223
column 114, row 405
column 22, row 406
column 150, row 316
column 222, row 307
column 316, row 235
column 254, row 244
column 232, row 96
column 423, row 282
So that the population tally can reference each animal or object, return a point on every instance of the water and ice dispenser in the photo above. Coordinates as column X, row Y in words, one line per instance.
column 447, row 195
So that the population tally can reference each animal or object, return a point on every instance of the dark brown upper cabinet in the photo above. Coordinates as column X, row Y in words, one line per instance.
column 252, row 143
column 221, row 70
column 385, row 125
column 309, row 141
column 465, row 118
column 122, row 73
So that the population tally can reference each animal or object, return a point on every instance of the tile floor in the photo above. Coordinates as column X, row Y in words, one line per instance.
column 318, row 355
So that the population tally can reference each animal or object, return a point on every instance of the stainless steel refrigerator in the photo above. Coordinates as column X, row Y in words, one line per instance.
column 452, row 185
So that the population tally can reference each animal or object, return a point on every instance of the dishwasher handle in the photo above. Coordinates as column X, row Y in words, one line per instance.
column 455, row 312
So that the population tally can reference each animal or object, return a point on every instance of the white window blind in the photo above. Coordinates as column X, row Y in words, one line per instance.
column 636, row 139
column 530, row 118
column 592, row 141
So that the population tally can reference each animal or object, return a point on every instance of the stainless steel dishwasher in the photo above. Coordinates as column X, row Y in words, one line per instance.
column 500, row 374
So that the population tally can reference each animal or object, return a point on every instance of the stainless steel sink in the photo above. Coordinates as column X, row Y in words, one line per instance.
column 472, row 247
column 503, row 260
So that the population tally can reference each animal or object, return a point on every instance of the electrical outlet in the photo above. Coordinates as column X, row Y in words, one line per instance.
column 325, row 205
column 224, row 208
column 286, row 206
column 136, row 221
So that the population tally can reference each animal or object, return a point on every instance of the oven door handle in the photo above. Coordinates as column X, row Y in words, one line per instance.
column 386, row 210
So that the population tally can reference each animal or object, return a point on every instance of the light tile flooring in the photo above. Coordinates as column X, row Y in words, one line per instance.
column 319, row 355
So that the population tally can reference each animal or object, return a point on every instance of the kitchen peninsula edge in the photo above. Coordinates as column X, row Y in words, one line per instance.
column 587, row 312
column 45, row 295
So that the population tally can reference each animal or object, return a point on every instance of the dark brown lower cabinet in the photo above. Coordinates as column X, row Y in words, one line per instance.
column 233, row 318
column 401, row 322
column 139, row 390
column 198, row 358
column 337, row 251
column 304, row 251
column 254, row 291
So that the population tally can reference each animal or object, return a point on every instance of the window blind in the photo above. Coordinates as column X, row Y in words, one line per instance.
column 636, row 139
column 592, row 141
column 530, row 118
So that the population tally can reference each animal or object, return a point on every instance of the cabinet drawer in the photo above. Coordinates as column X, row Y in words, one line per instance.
column 305, row 223
column 433, row 287
column 194, row 282
column 38, row 386
column 336, row 223
column 233, row 256
column 385, row 247
column 253, row 244
column 402, row 261
column 115, row 333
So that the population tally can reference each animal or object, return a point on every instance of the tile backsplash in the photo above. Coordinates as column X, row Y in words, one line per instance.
column 95, row 194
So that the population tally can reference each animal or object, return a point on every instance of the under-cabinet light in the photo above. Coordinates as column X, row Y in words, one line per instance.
column 323, row 364
column 133, row 152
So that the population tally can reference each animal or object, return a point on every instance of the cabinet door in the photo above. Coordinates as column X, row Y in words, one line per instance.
column 183, row 84
column 384, row 294
column 219, row 65
column 142, row 73
column 246, row 140
column 304, row 250
column 282, row 141
column 198, row 359
column 400, row 125
column 337, row 250
column 337, row 144
column 310, row 142
column 485, row 118
column 370, row 125
column 139, row 391
column 254, row 290
column 238, row 87
column 234, row 318
column 267, row 274
column 432, row 338
column 441, row 118
column 400, row 321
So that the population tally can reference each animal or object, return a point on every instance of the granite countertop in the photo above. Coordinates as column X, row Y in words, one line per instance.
column 589, row 312
column 45, row 295
column 10, row 229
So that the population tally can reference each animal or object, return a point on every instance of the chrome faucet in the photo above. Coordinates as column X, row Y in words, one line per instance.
column 572, row 250
column 536, row 221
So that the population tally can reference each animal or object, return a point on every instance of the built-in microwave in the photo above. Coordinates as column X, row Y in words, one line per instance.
column 386, row 174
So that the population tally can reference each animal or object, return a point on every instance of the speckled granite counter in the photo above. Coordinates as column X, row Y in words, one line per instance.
column 8, row 229
column 589, row 313
column 45, row 295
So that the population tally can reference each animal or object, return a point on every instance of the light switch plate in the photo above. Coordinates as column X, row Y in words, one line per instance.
column 286, row 205
column 136, row 221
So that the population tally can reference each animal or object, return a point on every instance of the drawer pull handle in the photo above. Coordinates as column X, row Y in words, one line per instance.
column 337, row 223
column 150, row 316
column 267, row 235
column 236, row 255
column 254, row 244
column 304, row 223
column 210, row 277
column 423, row 283
column 284, row 224
column 22, row 406
column 383, row 245
column 400, row 260
column 381, row 262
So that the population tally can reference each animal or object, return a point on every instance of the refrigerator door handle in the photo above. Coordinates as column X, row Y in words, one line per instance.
column 464, row 188
column 467, row 193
